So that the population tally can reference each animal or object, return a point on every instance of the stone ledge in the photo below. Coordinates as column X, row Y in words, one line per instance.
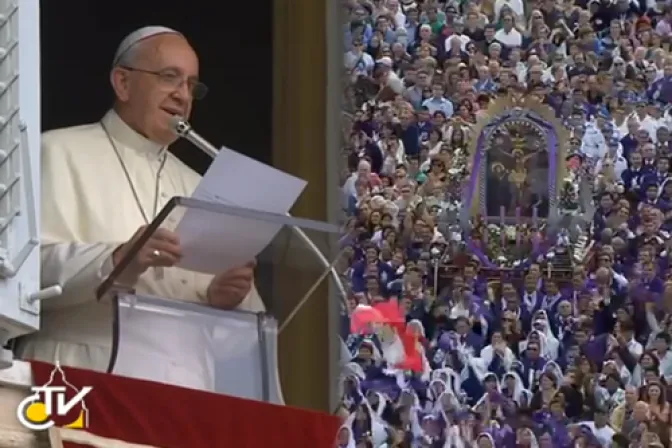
column 14, row 384
column 15, row 439
column 19, row 375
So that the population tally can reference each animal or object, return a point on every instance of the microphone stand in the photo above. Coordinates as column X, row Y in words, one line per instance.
column 183, row 129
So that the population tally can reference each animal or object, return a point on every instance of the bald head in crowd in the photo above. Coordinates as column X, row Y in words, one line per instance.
column 640, row 411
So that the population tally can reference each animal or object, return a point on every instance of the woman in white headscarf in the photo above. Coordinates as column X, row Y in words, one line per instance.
column 376, row 428
column 491, row 405
column 350, row 390
column 419, row 331
column 536, row 336
column 498, row 347
column 514, row 390
column 554, row 368
column 453, row 437
column 488, row 379
column 484, row 440
column 525, row 438
column 541, row 323
column 451, row 379
column 445, row 405
column 345, row 439
column 354, row 369
column 377, row 402
column 449, row 376
column 434, row 391
column 409, row 398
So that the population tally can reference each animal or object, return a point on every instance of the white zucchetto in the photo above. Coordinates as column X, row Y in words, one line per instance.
column 138, row 35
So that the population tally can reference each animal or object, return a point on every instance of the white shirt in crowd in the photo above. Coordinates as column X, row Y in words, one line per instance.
column 511, row 39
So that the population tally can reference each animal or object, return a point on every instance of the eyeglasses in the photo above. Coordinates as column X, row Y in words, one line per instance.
column 172, row 79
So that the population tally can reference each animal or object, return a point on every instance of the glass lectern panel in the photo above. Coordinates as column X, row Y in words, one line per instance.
column 194, row 346
column 167, row 329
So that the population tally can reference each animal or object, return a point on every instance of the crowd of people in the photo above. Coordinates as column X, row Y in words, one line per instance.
column 533, row 361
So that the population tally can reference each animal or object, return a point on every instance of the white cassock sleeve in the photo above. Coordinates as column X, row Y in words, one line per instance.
column 78, row 267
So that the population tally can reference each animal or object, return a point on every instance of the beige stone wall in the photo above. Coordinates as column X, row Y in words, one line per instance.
column 14, row 384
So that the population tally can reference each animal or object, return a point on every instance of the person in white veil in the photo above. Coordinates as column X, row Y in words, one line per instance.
column 365, row 423
column 514, row 390
column 345, row 439
column 453, row 438
column 525, row 438
column 491, row 385
column 542, row 324
column 448, row 376
column 419, row 330
column 484, row 440
column 431, row 430
column 492, row 407
column 553, row 368
column 445, row 407
column 434, row 391
column 446, row 404
column 354, row 369
column 498, row 347
column 351, row 391
column 451, row 379
column 408, row 415
column 535, row 336
column 377, row 402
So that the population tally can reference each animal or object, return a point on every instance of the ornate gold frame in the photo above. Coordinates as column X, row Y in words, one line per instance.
column 508, row 104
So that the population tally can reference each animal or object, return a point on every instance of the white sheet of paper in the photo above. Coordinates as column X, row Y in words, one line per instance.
column 212, row 242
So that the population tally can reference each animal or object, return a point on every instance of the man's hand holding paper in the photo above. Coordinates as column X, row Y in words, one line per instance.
column 162, row 249
column 228, row 289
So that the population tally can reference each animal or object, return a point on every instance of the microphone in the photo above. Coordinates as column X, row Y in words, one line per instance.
column 183, row 129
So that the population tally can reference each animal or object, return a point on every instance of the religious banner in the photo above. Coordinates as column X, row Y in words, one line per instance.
column 82, row 408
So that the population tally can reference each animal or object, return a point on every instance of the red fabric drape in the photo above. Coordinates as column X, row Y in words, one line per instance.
column 165, row 416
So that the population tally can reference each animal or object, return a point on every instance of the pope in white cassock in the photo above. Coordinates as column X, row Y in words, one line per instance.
column 102, row 183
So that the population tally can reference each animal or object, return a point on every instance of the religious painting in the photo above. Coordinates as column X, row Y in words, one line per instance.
column 517, row 161
column 517, row 172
